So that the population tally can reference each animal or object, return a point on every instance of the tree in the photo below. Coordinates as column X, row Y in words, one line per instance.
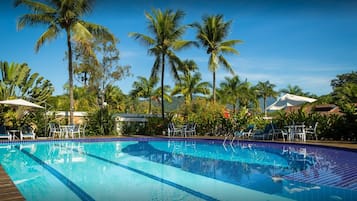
column 103, row 71
column 144, row 88
column 165, row 40
column 16, row 81
column 344, row 78
column 64, row 15
column 296, row 90
column 211, row 35
column 265, row 90
column 345, row 89
column 246, row 95
column 229, row 91
column 190, row 82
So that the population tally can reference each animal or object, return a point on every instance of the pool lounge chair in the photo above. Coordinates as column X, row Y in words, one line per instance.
column 4, row 134
column 266, row 134
column 237, row 134
column 27, row 132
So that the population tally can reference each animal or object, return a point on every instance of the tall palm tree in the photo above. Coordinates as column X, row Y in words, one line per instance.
column 211, row 35
column 265, row 90
column 166, row 36
column 144, row 88
column 64, row 15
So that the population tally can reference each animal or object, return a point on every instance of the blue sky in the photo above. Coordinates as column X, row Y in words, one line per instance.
column 297, row 42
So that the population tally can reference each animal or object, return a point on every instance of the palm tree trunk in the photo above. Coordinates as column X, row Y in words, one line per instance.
column 149, row 112
column 70, row 76
column 214, row 87
column 162, row 86
column 265, row 106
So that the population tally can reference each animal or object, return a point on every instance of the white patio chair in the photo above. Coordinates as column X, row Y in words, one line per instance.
column 27, row 132
column 75, row 129
column 189, row 129
column 172, row 130
column 54, row 130
column 311, row 131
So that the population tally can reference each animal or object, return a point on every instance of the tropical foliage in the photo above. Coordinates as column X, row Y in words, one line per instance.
column 16, row 81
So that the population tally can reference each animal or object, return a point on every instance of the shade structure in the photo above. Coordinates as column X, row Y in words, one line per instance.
column 289, row 100
column 20, row 102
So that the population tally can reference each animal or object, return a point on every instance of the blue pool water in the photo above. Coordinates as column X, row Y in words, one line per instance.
column 157, row 169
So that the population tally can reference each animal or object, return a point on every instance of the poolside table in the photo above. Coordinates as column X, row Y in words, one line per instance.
column 298, row 130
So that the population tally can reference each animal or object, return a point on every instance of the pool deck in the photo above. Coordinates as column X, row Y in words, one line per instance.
column 8, row 190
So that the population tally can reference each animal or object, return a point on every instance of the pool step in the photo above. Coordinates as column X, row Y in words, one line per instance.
column 340, row 178
column 8, row 190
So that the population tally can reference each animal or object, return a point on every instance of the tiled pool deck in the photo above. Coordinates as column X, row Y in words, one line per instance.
column 8, row 190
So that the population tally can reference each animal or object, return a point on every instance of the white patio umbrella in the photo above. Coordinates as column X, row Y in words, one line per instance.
column 289, row 100
column 20, row 102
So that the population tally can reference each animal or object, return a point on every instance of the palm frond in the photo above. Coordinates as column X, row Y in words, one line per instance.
column 81, row 33
column 35, row 6
column 50, row 34
column 99, row 32
column 147, row 40
column 228, row 49
column 225, row 63
column 34, row 19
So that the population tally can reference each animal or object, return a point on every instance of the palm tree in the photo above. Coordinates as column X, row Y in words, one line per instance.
column 246, row 95
column 296, row 90
column 144, row 88
column 187, row 66
column 190, row 81
column 265, row 90
column 190, row 85
column 64, row 15
column 166, row 38
column 229, row 91
column 211, row 34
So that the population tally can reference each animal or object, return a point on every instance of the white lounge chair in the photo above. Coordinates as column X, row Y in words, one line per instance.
column 4, row 134
column 27, row 132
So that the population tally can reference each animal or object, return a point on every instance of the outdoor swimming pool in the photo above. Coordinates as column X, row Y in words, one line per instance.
column 159, row 169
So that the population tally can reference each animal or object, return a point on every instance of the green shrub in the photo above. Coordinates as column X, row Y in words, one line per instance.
column 100, row 123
